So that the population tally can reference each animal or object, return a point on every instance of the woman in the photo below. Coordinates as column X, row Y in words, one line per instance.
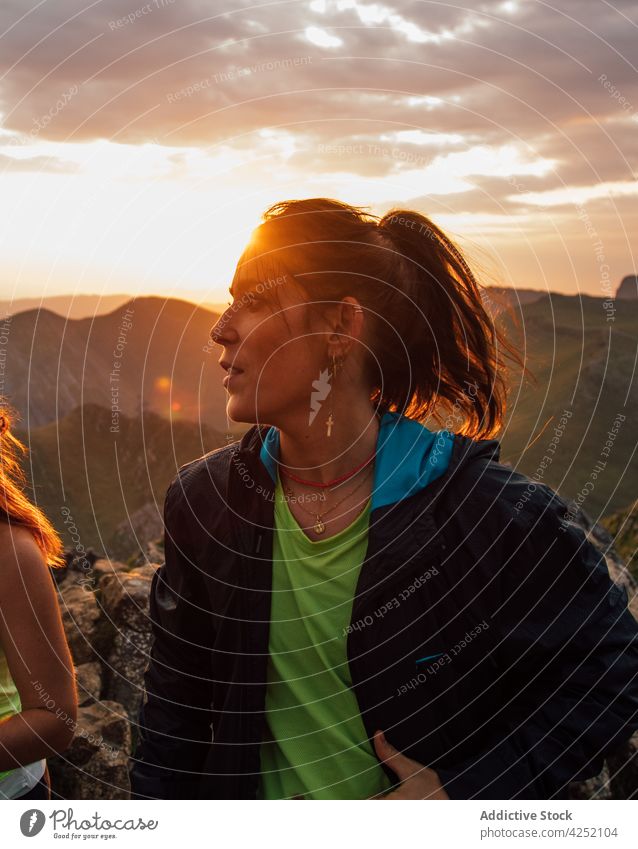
column 38, row 705
column 353, row 605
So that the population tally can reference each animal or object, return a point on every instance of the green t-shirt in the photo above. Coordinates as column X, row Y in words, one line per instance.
column 319, row 747
column 9, row 697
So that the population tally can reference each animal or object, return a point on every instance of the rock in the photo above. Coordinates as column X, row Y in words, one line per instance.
column 152, row 553
column 623, row 770
column 618, row 572
column 82, row 563
column 78, row 568
column 95, row 766
column 155, row 551
column 124, row 597
column 628, row 289
column 143, row 524
column 126, row 665
column 88, row 682
column 593, row 788
column 103, row 567
column 86, row 631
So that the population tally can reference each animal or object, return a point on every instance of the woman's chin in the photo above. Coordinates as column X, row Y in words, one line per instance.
column 237, row 410
column 240, row 412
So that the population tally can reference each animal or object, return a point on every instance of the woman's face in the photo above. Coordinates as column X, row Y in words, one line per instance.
column 275, row 344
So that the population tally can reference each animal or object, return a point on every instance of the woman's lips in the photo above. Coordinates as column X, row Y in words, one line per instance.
column 231, row 376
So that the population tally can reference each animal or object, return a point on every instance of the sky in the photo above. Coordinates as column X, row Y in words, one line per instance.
column 141, row 142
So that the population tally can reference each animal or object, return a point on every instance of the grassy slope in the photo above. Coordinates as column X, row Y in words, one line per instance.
column 584, row 364
column 102, row 477
column 623, row 525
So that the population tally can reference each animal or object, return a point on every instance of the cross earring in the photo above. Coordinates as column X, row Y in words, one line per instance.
column 329, row 424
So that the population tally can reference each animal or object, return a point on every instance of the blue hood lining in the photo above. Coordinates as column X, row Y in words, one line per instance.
column 409, row 457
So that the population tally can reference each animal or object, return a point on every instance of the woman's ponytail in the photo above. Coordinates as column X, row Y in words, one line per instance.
column 454, row 349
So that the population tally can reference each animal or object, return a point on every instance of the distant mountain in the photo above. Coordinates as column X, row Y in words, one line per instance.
column 105, row 490
column 498, row 298
column 151, row 353
column 80, row 306
column 628, row 288
column 573, row 429
column 68, row 306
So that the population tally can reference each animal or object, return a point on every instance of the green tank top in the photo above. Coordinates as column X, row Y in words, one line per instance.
column 319, row 748
column 9, row 696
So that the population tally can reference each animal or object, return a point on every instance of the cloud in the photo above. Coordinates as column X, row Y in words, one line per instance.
column 513, row 72
column 485, row 110
column 36, row 164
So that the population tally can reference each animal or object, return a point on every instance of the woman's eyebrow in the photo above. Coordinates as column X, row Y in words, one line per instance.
column 244, row 284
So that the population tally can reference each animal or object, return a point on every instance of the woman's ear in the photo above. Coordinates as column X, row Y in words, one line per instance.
column 350, row 318
column 347, row 323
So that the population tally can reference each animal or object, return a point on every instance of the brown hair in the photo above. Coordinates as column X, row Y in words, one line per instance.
column 436, row 351
column 15, row 507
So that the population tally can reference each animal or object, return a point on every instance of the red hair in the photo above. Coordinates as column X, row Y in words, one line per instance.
column 15, row 507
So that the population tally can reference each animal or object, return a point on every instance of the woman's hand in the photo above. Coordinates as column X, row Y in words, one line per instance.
column 417, row 781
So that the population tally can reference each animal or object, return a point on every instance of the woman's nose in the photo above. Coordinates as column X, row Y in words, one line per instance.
column 222, row 332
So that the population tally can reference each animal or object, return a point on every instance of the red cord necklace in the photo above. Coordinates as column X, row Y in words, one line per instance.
column 332, row 482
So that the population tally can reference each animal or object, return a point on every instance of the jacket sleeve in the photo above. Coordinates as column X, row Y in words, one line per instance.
column 565, row 648
column 175, row 716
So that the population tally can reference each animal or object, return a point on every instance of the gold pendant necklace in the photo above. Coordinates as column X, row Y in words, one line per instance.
column 319, row 526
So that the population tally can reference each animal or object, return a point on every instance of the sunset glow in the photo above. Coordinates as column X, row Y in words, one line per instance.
column 138, row 151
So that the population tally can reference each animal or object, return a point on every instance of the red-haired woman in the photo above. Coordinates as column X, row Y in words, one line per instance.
column 354, row 605
column 38, row 703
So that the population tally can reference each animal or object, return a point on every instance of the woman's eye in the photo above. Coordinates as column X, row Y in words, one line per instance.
column 248, row 300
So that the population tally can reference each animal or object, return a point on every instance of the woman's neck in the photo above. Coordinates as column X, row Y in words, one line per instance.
column 310, row 454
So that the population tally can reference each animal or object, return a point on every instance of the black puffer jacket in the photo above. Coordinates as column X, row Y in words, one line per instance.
column 531, row 656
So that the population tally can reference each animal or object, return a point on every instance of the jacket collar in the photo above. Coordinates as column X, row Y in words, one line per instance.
column 409, row 455
column 398, row 528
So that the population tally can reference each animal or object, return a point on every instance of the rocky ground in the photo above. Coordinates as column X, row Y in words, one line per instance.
column 105, row 613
